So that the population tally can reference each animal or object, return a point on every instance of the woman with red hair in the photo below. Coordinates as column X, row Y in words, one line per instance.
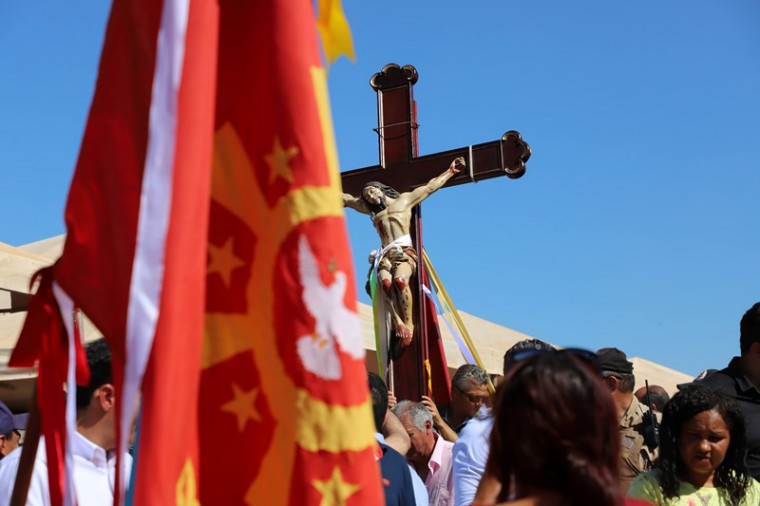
column 555, row 439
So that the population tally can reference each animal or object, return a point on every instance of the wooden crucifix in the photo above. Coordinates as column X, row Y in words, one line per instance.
column 421, row 366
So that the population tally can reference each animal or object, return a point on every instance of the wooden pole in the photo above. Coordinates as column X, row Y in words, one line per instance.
column 28, row 455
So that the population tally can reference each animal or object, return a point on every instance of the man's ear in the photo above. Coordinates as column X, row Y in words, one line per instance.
column 611, row 382
column 754, row 348
column 2, row 444
column 106, row 396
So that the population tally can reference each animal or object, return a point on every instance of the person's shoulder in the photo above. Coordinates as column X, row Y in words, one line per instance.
column 396, row 475
column 392, row 462
column 9, row 463
column 753, row 492
column 646, row 486
column 628, row 501
column 446, row 445
column 476, row 427
column 652, row 476
column 8, row 468
column 724, row 380
column 390, row 453
column 11, row 459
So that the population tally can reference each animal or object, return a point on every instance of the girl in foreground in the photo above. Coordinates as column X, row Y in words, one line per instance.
column 702, row 448
column 555, row 440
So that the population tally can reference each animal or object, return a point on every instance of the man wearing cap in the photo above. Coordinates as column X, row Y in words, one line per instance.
column 617, row 373
column 741, row 381
column 10, row 425
column 699, row 377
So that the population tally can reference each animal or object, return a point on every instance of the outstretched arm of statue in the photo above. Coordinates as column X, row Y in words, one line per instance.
column 355, row 203
column 419, row 194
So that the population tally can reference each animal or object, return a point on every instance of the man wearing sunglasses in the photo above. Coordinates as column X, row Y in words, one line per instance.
column 469, row 392
column 10, row 425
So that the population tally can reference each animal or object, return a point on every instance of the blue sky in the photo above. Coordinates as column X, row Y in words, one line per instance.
column 636, row 223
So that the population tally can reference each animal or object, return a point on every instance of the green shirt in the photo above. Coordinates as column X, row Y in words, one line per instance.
column 647, row 487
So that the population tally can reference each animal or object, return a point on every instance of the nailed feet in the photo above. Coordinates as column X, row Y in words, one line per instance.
column 404, row 334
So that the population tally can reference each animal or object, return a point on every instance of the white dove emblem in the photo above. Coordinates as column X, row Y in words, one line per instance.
column 334, row 322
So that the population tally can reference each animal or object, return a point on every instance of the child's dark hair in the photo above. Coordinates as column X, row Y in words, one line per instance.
column 732, row 474
column 379, row 394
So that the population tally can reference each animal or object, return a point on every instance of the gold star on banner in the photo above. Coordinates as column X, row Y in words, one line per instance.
column 186, row 488
column 223, row 261
column 233, row 170
column 242, row 406
column 334, row 490
column 279, row 161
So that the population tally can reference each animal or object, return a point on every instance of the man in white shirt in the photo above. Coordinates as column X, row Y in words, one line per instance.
column 92, row 445
column 470, row 452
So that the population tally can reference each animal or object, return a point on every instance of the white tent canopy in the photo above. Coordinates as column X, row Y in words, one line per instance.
column 18, row 265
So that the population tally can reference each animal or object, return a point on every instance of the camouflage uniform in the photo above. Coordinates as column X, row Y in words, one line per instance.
column 634, row 454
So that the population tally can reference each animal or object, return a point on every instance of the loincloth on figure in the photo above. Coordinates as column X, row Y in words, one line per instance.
column 391, row 258
column 396, row 255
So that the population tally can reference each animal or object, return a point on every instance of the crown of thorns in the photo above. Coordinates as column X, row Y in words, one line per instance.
column 387, row 190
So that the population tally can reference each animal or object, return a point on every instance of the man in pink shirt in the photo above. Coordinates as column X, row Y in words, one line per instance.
column 430, row 454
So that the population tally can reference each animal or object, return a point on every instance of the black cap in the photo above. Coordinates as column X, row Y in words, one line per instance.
column 614, row 360
column 698, row 378
column 9, row 421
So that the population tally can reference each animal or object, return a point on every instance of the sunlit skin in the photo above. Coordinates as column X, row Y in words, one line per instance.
column 8, row 444
column 703, row 443
column 422, row 445
column 467, row 402
column 373, row 195
column 393, row 222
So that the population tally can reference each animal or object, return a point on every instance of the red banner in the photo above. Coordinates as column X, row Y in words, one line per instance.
column 284, row 389
column 207, row 196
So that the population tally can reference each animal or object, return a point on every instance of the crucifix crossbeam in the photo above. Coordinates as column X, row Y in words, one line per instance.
column 399, row 164
column 414, row 372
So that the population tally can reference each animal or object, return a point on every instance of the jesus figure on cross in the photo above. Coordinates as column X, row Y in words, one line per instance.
column 396, row 261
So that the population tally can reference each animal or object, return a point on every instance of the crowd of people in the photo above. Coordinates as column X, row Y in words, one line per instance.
column 565, row 427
